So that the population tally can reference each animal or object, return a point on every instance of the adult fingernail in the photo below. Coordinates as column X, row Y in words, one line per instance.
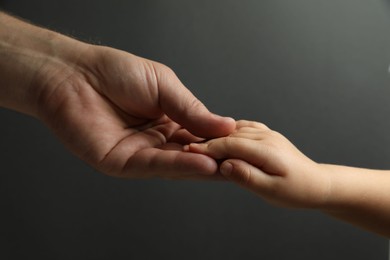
column 229, row 120
column 226, row 169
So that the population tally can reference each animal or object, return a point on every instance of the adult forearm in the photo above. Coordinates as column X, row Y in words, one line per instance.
column 360, row 197
column 26, row 52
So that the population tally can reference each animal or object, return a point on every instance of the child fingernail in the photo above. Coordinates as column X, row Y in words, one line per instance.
column 226, row 169
column 186, row 148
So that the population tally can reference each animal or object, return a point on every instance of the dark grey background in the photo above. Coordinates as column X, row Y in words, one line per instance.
column 314, row 70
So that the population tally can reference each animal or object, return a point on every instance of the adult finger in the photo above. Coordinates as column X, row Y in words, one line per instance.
column 183, row 137
column 154, row 162
column 185, row 109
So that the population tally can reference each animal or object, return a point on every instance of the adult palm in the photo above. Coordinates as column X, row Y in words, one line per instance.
column 127, row 116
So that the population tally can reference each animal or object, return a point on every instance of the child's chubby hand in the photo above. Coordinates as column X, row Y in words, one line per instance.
column 268, row 164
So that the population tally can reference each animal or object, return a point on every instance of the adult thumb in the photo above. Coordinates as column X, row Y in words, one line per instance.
column 185, row 109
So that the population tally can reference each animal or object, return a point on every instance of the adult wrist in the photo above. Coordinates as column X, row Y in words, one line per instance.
column 28, row 57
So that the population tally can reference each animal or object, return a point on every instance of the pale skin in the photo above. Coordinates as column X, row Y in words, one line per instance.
column 131, row 117
column 265, row 162
column 125, row 115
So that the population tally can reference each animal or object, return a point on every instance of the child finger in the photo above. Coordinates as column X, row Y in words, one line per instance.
column 252, row 124
column 234, row 148
column 219, row 148
column 246, row 175
column 248, row 130
column 252, row 136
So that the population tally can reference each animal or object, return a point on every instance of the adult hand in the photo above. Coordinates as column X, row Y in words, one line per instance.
column 129, row 116
column 125, row 115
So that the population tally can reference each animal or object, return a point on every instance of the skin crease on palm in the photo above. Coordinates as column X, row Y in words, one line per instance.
column 131, row 117
column 125, row 115
column 112, row 115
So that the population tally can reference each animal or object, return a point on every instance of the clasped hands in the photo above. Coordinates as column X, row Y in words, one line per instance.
column 131, row 117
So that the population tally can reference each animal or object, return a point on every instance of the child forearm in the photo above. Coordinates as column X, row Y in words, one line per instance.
column 360, row 197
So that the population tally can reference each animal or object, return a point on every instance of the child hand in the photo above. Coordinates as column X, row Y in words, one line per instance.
column 268, row 164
